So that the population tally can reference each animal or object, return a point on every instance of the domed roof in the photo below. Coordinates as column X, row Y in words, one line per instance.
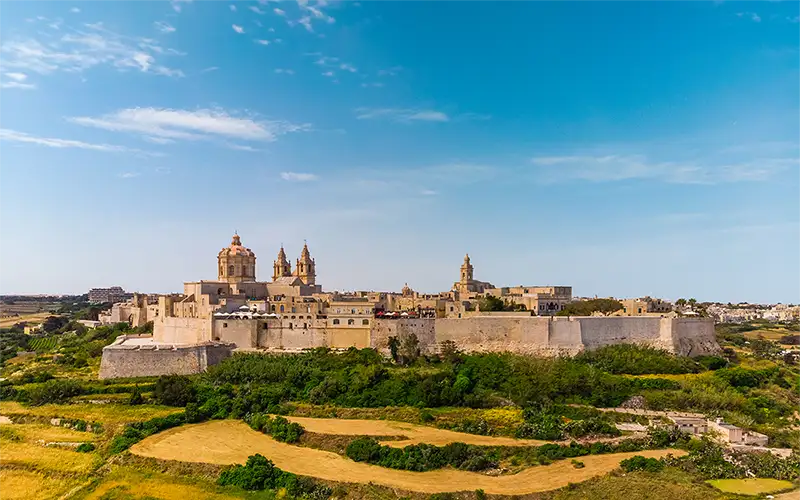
column 236, row 248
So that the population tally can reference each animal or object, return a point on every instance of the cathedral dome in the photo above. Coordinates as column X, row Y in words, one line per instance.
column 236, row 248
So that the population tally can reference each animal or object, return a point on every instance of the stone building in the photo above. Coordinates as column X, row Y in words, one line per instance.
column 644, row 306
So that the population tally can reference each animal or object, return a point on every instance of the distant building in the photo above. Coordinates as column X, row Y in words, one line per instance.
column 644, row 306
column 109, row 295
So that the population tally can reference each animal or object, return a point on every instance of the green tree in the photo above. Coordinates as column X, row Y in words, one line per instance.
column 490, row 303
column 394, row 345
column 587, row 307
column 409, row 349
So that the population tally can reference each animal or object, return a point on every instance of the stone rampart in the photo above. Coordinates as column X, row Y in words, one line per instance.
column 121, row 360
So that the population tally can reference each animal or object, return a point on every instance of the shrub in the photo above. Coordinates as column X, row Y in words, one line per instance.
column 173, row 390
column 639, row 462
column 279, row 427
column 54, row 391
column 136, row 397
column 85, row 448
column 135, row 432
column 259, row 473
column 578, row 464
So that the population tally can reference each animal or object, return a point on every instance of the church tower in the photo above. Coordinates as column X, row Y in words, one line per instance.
column 281, row 267
column 236, row 263
column 306, row 267
column 466, row 271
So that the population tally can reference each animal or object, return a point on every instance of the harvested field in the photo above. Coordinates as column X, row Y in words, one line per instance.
column 415, row 433
column 19, row 484
column 232, row 441
column 107, row 414
column 10, row 321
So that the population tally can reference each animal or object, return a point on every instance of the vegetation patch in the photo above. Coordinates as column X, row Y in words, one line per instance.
column 750, row 486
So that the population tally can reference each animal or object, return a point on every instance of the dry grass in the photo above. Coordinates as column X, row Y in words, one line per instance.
column 124, row 482
column 35, row 456
column 48, row 433
column 29, row 318
column 107, row 414
column 750, row 486
column 415, row 433
column 23, row 484
column 230, row 441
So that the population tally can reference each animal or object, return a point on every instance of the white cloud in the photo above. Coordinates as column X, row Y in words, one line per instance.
column 373, row 84
column 298, row 177
column 238, row 29
column 284, row 71
column 75, row 10
column 257, row 10
column 85, row 48
column 609, row 168
column 232, row 7
column 279, row 12
column 390, row 71
column 402, row 115
column 19, row 77
column 176, row 4
column 202, row 124
column 14, row 136
column 17, row 85
column 348, row 67
column 429, row 192
column 210, row 69
column 329, row 74
column 242, row 147
column 164, row 27
column 306, row 22
column 263, row 42
column 129, row 175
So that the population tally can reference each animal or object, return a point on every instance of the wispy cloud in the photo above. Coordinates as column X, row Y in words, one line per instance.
column 237, row 28
column 129, row 175
column 283, row 71
column 428, row 192
column 19, row 77
column 750, row 15
column 202, row 124
column 393, row 71
column 232, row 7
column 402, row 115
column 610, row 168
column 164, row 27
column 14, row 136
column 82, row 49
column 177, row 4
column 17, row 85
column 209, row 69
column 280, row 12
column 75, row 10
column 372, row 84
column 263, row 42
column 348, row 67
column 298, row 177
column 257, row 10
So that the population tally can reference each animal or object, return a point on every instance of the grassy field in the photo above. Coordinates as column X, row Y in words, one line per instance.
column 414, row 434
column 750, row 486
column 669, row 484
column 130, row 484
column 231, row 441
column 20, row 484
column 110, row 415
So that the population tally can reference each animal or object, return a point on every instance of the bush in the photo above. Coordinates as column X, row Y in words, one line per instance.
column 54, row 391
column 173, row 390
column 135, row 432
column 136, row 397
column 279, row 427
column 85, row 448
column 259, row 473
column 639, row 462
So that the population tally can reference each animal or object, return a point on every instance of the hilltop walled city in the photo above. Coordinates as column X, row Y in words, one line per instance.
column 202, row 325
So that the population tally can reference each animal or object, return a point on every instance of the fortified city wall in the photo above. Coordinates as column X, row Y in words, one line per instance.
column 122, row 361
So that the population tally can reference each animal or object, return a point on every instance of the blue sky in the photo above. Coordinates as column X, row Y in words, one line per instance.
column 625, row 149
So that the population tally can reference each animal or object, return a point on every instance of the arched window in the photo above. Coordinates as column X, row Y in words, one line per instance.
column 351, row 322
column 290, row 326
column 230, row 270
column 336, row 322
column 364, row 321
column 352, row 311
column 281, row 307
column 273, row 307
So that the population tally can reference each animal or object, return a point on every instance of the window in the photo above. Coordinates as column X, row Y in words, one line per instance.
column 294, row 309
column 290, row 326
column 305, row 326
column 364, row 321
column 266, row 325
column 272, row 308
column 351, row 322
column 281, row 307
column 230, row 270
column 293, row 316
column 451, row 308
column 640, row 310
column 352, row 311
column 336, row 322
column 224, row 325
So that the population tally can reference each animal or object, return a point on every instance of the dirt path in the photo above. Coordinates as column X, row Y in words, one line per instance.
column 232, row 441
column 415, row 433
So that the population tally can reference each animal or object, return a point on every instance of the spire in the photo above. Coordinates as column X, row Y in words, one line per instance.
column 305, row 254
column 281, row 254
column 236, row 241
column 466, row 259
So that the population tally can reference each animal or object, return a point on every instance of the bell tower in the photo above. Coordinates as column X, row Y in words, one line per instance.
column 466, row 271
column 306, row 267
column 281, row 266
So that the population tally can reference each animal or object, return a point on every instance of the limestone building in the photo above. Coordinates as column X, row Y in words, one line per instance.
column 201, row 326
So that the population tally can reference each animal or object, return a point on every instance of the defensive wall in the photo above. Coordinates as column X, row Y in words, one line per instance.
column 190, row 345
column 147, row 359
